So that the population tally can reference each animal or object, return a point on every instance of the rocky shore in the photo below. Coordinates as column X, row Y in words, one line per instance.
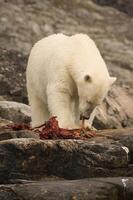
column 97, row 168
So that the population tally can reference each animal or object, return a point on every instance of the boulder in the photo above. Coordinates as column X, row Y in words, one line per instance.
column 116, row 110
column 92, row 189
column 110, row 153
column 4, row 122
column 122, row 5
column 13, row 111
column 6, row 134
column 12, row 75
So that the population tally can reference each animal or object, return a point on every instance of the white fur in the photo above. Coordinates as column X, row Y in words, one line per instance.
column 55, row 79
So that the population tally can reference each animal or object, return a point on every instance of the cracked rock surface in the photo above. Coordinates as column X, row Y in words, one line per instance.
column 92, row 189
column 100, row 167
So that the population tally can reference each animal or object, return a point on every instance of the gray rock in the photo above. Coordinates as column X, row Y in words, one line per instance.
column 4, row 85
column 12, row 75
column 92, row 189
column 116, row 111
column 7, row 134
column 122, row 5
column 13, row 111
column 30, row 168
column 72, row 159
column 4, row 122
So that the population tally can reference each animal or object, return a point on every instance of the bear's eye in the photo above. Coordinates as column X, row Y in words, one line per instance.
column 87, row 78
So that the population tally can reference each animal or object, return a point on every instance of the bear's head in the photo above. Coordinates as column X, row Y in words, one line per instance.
column 91, row 92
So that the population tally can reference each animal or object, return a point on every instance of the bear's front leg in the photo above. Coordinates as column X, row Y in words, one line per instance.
column 59, row 104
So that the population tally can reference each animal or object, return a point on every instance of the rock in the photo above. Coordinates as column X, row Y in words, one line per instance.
column 92, row 189
column 4, row 122
column 13, row 111
column 7, row 134
column 29, row 168
column 4, row 85
column 12, row 75
column 103, row 155
column 2, row 98
column 122, row 5
column 116, row 111
column 32, row 168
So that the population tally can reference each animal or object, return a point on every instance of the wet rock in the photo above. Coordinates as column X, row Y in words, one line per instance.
column 13, row 111
column 102, row 188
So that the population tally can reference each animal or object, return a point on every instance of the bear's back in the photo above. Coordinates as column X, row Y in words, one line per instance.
column 51, row 56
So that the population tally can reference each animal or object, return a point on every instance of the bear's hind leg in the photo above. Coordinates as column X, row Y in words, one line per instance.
column 39, row 111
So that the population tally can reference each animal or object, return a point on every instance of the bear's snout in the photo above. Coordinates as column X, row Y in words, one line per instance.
column 86, row 114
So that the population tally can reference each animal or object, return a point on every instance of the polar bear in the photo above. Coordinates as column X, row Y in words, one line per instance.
column 66, row 77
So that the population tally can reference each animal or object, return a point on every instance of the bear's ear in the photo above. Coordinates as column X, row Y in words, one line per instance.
column 112, row 80
column 87, row 78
